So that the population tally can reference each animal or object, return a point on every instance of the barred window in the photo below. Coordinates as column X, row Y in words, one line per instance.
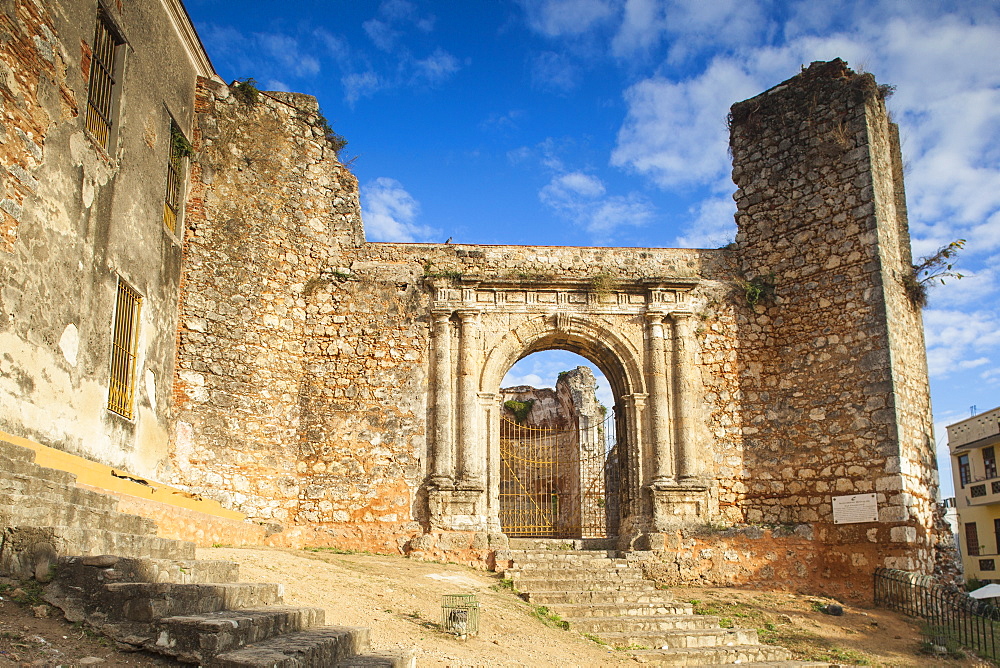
column 180, row 151
column 121, row 393
column 101, row 94
column 977, row 491
column 987, row 565
column 990, row 462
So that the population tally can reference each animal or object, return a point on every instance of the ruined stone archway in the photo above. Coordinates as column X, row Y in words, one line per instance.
column 637, row 333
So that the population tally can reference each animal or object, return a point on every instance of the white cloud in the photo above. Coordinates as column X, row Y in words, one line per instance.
column 359, row 85
column 643, row 26
column 958, row 337
column 560, row 18
column 554, row 72
column 675, row 132
column 582, row 198
column 382, row 35
column 389, row 212
column 713, row 224
column 436, row 67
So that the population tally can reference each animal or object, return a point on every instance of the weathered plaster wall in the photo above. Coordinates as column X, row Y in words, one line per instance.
column 74, row 216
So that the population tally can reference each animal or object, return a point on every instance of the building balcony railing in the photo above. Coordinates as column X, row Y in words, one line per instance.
column 981, row 491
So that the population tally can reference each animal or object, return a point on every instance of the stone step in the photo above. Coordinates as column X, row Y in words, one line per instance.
column 639, row 586
column 180, row 571
column 324, row 646
column 536, row 556
column 712, row 656
column 586, row 566
column 148, row 601
column 199, row 638
column 682, row 639
column 23, row 473
column 51, row 491
column 19, row 510
column 636, row 623
column 626, row 609
column 596, row 597
column 91, row 542
column 597, row 575
column 16, row 452
column 404, row 659
column 562, row 544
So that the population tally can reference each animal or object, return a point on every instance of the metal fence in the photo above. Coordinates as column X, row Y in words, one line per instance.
column 951, row 617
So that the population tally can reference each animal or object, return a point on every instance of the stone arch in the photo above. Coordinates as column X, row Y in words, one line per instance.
column 639, row 335
column 617, row 358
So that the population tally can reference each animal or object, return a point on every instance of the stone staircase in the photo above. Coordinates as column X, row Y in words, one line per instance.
column 608, row 597
column 153, row 595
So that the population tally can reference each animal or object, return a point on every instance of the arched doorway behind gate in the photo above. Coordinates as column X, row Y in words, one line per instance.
column 559, row 459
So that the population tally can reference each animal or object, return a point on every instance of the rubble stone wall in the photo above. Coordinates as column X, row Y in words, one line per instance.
column 832, row 369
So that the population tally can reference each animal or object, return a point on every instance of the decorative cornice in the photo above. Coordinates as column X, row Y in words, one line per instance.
column 189, row 38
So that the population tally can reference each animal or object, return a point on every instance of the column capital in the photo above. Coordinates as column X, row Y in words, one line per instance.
column 468, row 314
column 440, row 313
column 680, row 316
column 655, row 317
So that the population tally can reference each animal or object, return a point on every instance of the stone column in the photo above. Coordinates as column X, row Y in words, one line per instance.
column 444, row 449
column 659, row 402
column 684, row 393
column 470, row 439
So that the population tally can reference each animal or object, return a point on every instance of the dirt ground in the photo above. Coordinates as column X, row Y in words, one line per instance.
column 400, row 600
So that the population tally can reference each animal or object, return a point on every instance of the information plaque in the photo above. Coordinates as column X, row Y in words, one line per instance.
column 855, row 508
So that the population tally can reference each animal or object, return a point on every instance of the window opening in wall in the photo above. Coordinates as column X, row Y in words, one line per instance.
column 121, row 393
column 990, row 462
column 987, row 565
column 100, row 96
column 180, row 150
column 996, row 533
column 964, row 473
column 971, row 539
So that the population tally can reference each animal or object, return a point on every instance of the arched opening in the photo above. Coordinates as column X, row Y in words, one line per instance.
column 559, row 458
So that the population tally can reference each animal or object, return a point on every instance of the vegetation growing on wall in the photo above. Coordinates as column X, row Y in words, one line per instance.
column 929, row 270
column 520, row 409
column 246, row 91
column 757, row 289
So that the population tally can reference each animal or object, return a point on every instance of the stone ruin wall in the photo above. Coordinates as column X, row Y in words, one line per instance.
column 303, row 359
column 824, row 383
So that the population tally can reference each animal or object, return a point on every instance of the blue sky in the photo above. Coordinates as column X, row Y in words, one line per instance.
column 602, row 123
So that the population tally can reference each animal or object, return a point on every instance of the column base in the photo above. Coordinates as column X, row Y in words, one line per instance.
column 457, row 509
column 678, row 503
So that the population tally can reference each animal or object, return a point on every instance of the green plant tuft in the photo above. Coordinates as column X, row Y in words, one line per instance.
column 180, row 147
column 246, row 91
column 520, row 409
column 757, row 289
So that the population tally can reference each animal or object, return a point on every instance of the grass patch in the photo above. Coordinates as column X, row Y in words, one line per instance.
column 335, row 550
column 591, row 637
column 549, row 618
column 29, row 592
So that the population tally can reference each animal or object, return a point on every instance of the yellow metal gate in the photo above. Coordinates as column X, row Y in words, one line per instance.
column 559, row 483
